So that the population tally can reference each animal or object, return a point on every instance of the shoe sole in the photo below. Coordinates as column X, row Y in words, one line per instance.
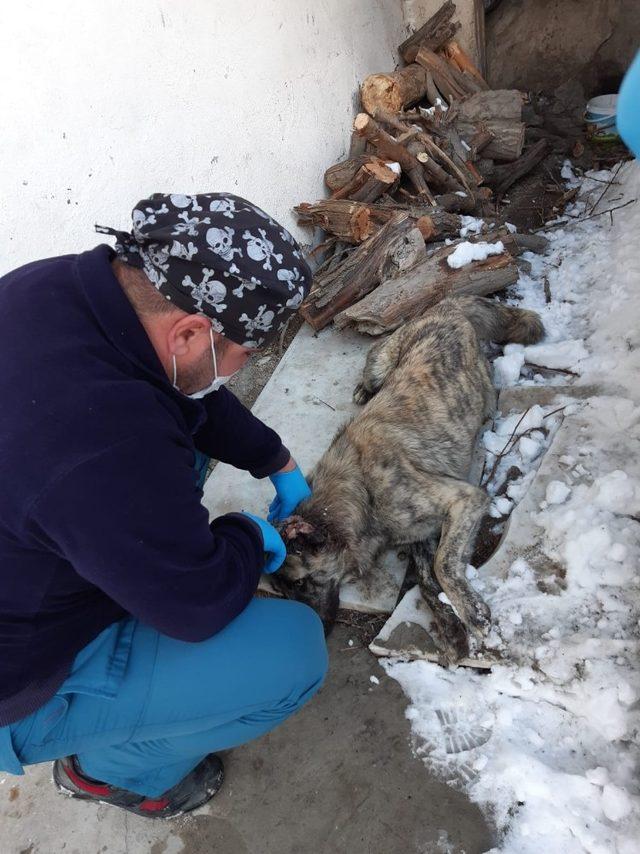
column 64, row 788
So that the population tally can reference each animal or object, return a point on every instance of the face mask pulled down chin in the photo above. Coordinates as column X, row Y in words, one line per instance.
column 214, row 385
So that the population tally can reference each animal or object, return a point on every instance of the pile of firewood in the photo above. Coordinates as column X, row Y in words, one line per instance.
column 432, row 144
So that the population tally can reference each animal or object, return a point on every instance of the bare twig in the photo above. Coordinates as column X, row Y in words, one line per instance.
column 502, row 453
column 554, row 412
column 555, row 370
column 609, row 183
column 513, row 438
column 603, row 193
column 320, row 400
column 583, row 218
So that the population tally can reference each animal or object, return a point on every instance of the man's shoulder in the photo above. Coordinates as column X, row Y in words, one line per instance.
column 56, row 265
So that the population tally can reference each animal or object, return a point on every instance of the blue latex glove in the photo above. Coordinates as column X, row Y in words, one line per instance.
column 272, row 543
column 291, row 488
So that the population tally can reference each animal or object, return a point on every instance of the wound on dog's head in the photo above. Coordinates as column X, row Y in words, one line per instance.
column 300, row 535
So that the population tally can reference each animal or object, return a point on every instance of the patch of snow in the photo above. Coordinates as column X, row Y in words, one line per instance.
column 374, row 679
column 616, row 803
column 561, row 354
column 557, row 492
column 470, row 225
column 395, row 167
column 466, row 252
column 506, row 368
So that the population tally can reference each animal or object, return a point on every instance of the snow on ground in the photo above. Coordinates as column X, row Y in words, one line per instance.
column 548, row 743
column 466, row 252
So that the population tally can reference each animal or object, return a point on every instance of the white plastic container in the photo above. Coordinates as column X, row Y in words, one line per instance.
column 600, row 113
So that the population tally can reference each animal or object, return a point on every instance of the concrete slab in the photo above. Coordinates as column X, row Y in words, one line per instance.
column 407, row 634
column 339, row 778
column 307, row 398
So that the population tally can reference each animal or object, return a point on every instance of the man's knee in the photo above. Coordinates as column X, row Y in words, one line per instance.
column 297, row 644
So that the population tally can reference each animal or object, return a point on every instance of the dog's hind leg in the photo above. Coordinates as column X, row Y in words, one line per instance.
column 452, row 638
column 463, row 507
column 382, row 358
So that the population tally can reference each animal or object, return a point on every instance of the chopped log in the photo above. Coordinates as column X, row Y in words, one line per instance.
column 478, row 142
column 435, row 174
column 518, row 243
column 469, row 82
column 388, row 148
column 508, row 136
column 394, row 91
column 424, row 148
column 438, row 225
column 504, row 176
column 369, row 183
column 341, row 173
column 405, row 254
column 436, row 98
column 466, row 81
column 445, row 76
column 401, row 299
column 438, row 30
column 514, row 242
column 461, row 154
column 495, row 104
column 357, row 145
column 359, row 274
column 347, row 220
column 481, row 42
column 462, row 60
column 434, row 223
column 414, row 133
column 457, row 202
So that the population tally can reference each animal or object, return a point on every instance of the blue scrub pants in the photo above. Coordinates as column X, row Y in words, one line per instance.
column 175, row 702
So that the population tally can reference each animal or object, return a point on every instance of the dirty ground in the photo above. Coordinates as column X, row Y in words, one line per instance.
column 340, row 778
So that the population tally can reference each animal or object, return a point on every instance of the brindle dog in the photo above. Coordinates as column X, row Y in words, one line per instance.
column 397, row 474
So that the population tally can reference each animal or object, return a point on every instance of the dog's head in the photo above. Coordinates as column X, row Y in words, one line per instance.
column 313, row 569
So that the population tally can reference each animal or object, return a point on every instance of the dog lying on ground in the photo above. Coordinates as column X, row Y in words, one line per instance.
column 396, row 475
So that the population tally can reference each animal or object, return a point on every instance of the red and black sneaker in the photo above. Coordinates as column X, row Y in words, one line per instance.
column 190, row 793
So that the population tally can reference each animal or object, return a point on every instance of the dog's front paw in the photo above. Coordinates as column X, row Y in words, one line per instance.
column 361, row 395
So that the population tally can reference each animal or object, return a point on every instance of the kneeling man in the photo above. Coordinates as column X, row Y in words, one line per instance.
column 132, row 647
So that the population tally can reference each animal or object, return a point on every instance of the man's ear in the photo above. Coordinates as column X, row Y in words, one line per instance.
column 188, row 333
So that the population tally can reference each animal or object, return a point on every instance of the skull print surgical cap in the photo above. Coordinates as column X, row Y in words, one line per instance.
column 219, row 255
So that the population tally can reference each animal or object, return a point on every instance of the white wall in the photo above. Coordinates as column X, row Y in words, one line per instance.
column 106, row 101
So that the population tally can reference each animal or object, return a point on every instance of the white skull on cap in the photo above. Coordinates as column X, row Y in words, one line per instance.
column 221, row 242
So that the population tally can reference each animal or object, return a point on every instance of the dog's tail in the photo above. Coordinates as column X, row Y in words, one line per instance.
column 503, row 324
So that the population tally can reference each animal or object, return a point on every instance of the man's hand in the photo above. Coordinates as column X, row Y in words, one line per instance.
column 291, row 488
column 272, row 543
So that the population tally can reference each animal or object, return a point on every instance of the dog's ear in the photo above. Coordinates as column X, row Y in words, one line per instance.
column 300, row 535
column 294, row 527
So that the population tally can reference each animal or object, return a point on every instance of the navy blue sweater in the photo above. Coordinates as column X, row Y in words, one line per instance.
column 100, row 516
